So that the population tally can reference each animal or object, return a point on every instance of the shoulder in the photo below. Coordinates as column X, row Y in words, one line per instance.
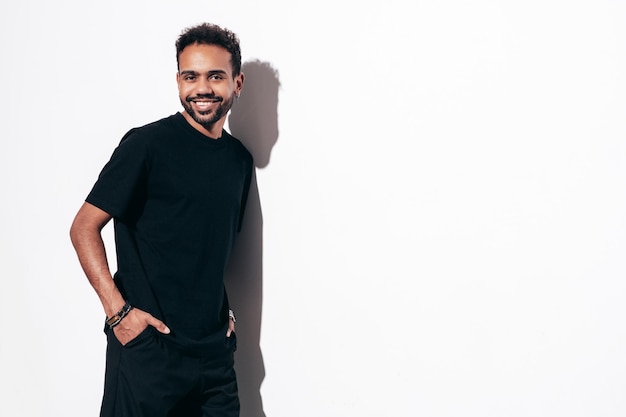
column 151, row 130
column 238, row 146
column 147, row 139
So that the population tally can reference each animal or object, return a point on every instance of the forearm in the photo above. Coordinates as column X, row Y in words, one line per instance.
column 86, row 237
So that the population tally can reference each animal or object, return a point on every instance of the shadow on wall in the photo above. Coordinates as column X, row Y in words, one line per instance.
column 254, row 121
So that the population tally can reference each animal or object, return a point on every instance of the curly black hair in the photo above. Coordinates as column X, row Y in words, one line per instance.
column 210, row 34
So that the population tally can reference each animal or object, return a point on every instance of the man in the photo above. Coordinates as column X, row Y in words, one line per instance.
column 176, row 189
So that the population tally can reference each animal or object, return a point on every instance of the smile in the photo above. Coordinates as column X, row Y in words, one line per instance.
column 205, row 99
column 204, row 103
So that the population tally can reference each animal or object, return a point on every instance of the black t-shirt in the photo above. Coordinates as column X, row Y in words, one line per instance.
column 177, row 199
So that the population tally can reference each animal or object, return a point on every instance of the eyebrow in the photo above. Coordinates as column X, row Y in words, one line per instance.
column 212, row 72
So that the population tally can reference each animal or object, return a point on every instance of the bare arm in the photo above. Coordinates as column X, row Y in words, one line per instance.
column 86, row 237
column 87, row 240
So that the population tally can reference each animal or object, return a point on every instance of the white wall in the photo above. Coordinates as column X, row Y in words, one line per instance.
column 442, row 228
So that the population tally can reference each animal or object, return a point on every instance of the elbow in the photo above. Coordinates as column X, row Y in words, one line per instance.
column 75, row 232
column 80, row 228
column 87, row 224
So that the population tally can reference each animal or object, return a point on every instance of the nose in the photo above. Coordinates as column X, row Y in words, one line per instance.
column 204, row 86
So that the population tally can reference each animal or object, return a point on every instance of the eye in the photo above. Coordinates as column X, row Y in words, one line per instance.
column 190, row 77
column 215, row 77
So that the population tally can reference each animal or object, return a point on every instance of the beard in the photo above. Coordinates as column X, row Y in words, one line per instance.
column 209, row 118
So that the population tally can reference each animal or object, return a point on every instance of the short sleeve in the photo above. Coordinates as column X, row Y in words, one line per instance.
column 121, row 185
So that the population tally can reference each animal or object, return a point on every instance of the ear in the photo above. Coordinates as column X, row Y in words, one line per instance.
column 239, row 82
column 177, row 77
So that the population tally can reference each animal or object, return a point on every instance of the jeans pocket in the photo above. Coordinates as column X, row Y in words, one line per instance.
column 146, row 335
column 231, row 342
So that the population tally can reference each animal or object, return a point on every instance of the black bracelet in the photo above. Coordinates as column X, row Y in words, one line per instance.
column 116, row 318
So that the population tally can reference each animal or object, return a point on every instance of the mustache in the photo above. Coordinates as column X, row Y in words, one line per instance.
column 204, row 97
